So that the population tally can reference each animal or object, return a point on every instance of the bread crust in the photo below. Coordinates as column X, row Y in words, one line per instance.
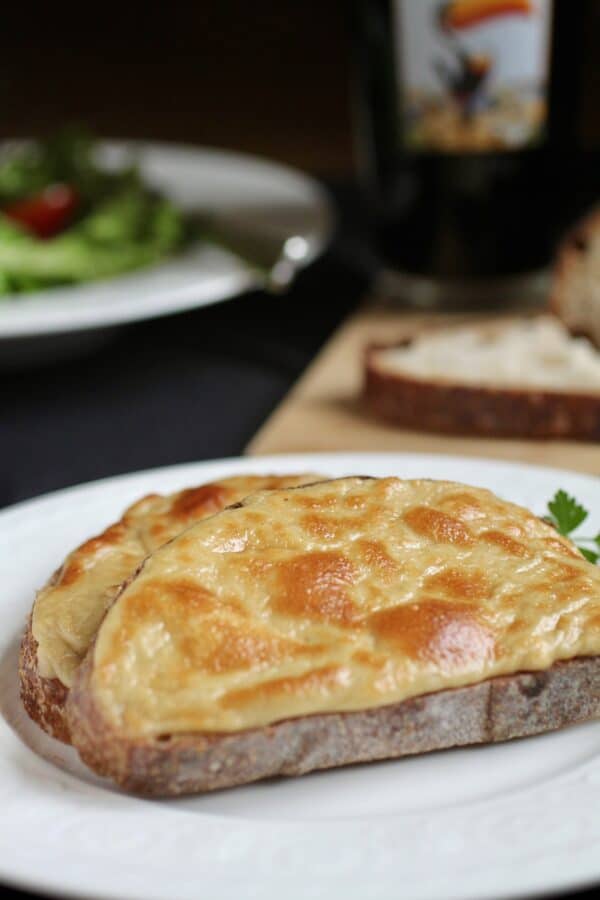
column 498, row 709
column 43, row 698
column 569, row 259
column 472, row 409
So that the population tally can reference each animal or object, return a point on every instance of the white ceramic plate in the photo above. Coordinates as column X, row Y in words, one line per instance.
column 260, row 195
column 499, row 821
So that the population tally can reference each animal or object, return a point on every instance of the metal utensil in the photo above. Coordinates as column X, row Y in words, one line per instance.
column 265, row 244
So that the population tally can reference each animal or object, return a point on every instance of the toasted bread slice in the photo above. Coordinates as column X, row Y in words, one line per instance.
column 523, row 377
column 576, row 283
column 350, row 620
column 69, row 609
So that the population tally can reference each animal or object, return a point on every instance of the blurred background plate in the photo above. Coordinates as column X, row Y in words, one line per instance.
column 249, row 196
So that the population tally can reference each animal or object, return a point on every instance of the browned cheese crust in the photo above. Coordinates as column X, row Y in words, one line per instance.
column 498, row 709
column 460, row 409
column 44, row 698
column 440, row 673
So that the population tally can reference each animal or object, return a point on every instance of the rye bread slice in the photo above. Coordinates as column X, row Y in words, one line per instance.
column 498, row 709
column 292, row 725
column 575, row 293
column 451, row 405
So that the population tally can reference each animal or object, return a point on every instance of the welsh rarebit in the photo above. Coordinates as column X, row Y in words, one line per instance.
column 346, row 621
column 69, row 609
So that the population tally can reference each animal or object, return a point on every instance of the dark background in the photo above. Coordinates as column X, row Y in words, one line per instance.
column 267, row 77
column 270, row 77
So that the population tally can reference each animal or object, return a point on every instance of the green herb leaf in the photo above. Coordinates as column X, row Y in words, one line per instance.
column 566, row 512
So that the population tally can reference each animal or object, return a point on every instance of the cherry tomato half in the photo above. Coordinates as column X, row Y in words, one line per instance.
column 46, row 213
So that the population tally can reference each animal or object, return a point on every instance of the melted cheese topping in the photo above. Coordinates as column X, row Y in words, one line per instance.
column 68, row 611
column 344, row 595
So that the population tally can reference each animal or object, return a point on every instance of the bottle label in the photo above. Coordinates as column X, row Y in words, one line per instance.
column 472, row 75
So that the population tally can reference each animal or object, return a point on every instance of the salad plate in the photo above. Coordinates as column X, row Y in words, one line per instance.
column 505, row 820
column 262, row 198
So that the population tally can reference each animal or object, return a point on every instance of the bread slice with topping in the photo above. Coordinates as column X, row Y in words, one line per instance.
column 347, row 621
column 69, row 609
column 518, row 377
column 576, row 282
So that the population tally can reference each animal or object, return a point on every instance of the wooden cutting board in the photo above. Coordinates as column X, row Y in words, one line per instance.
column 324, row 411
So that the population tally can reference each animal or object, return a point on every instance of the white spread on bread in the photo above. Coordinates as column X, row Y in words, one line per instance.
column 345, row 595
column 523, row 353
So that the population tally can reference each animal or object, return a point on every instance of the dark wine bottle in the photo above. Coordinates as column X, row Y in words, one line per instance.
column 478, row 126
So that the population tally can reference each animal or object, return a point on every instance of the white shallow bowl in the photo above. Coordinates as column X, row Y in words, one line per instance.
column 506, row 820
column 260, row 196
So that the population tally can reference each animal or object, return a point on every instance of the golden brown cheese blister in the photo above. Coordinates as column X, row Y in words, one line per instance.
column 340, row 596
column 69, row 609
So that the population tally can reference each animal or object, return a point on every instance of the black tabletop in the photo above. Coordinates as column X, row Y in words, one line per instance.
column 191, row 387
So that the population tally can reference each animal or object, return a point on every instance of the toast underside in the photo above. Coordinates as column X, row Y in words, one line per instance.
column 498, row 709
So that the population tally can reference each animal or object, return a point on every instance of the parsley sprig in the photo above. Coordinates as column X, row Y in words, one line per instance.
column 566, row 514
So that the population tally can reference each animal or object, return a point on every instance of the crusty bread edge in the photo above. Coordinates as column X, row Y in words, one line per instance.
column 44, row 699
column 433, row 405
column 568, row 257
column 497, row 709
